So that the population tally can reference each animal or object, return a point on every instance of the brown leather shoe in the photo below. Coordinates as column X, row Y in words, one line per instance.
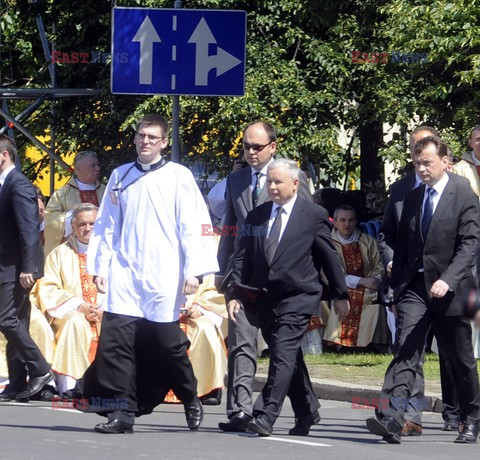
column 411, row 429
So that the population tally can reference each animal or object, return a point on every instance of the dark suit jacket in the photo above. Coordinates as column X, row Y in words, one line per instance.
column 391, row 217
column 20, row 247
column 449, row 248
column 238, row 205
column 292, row 281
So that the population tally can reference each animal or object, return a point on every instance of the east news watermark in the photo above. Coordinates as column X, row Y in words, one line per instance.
column 87, row 57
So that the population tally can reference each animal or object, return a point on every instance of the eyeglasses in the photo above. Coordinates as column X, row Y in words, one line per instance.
column 151, row 139
column 255, row 147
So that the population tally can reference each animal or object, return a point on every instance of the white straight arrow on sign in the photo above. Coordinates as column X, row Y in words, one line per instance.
column 147, row 36
column 222, row 61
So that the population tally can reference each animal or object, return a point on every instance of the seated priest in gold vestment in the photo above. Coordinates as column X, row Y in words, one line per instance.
column 83, row 187
column 69, row 297
column 204, row 321
column 366, row 322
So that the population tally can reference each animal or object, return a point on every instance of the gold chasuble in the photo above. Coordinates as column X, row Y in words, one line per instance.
column 63, row 200
column 361, row 259
column 351, row 324
column 206, row 333
column 65, row 286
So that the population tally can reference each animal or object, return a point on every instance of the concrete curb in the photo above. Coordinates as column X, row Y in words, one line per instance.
column 350, row 392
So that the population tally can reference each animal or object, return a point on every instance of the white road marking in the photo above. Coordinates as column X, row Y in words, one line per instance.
column 294, row 441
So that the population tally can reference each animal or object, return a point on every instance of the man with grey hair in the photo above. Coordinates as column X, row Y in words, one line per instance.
column 83, row 187
column 245, row 190
column 276, row 274
column 69, row 297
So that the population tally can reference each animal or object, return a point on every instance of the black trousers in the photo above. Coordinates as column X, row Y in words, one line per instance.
column 137, row 362
column 23, row 355
column 454, row 335
column 287, row 372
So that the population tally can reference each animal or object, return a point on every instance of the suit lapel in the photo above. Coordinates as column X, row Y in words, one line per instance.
column 289, row 233
column 263, row 194
column 245, row 189
column 416, row 225
column 443, row 204
column 6, row 184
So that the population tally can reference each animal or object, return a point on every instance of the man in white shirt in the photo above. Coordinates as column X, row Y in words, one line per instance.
column 146, row 252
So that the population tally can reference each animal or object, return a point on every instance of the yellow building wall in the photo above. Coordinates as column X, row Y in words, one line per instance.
column 43, row 178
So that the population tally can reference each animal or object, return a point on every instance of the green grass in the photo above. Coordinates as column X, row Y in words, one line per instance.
column 361, row 368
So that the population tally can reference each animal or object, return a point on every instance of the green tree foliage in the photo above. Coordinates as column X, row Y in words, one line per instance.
column 300, row 76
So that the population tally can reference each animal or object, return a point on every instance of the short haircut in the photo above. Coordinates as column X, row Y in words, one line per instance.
column 344, row 207
column 442, row 147
column 80, row 156
column 154, row 119
column 289, row 165
column 431, row 130
column 83, row 207
column 7, row 144
column 269, row 129
column 475, row 128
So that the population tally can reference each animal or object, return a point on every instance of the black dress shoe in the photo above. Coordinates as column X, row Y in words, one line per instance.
column 34, row 386
column 303, row 424
column 114, row 426
column 47, row 393
column 8, row 394
column 468, row 435
column 450, row 425
column 194, row 414
column 214, row 398
column 387, row 427
column 260, row 425
column 237, row 423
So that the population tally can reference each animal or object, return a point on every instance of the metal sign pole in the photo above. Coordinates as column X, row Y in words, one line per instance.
column 176, row 116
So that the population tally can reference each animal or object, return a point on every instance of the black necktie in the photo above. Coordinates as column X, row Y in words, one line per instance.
column 427, row 211
column 271, row 243
column 256, row 189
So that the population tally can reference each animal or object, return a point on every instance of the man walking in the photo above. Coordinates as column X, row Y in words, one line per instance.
column 432, row 271
column 147, row 252
column 21, row 262
column 277, row 275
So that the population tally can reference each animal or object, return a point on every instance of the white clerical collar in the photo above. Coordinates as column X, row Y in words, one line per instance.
column 83, row 186
column 82, row 247
column 149, row 166
column 5, row 173
column 353, row 238
column 475, row 160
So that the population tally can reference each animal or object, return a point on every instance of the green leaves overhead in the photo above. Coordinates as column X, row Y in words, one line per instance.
column 300, row 76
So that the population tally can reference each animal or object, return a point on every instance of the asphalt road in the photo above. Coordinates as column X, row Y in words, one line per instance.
column 36, row 431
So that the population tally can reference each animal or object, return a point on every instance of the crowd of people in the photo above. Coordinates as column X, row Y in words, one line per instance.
column 135, row 305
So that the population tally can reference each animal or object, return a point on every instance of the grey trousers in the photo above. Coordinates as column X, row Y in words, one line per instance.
column 242, row 361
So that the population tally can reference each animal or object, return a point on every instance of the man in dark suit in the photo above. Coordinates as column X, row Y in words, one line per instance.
column 245, row 190
column 21, row 262
column 386, row 241
column 277, row 273
column 434, row 251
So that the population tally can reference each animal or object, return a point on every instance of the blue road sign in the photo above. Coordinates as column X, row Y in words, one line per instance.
column 178, row 51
